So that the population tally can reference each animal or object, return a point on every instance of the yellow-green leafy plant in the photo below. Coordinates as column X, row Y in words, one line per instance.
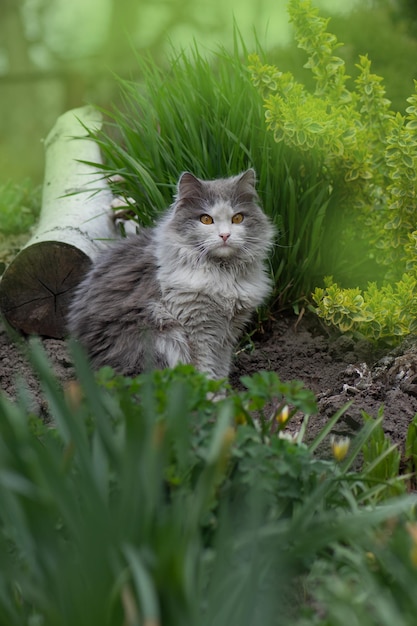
column 379, row 313
column 368, row 155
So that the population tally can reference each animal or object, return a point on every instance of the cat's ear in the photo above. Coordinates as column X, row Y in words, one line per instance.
column 245, row 186
column 189, row 187
column 248, row 178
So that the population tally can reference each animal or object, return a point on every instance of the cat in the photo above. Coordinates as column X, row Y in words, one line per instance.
column 182, row 291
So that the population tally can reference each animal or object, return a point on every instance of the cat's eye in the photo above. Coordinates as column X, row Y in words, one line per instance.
column 237, row 218
column 206, row 219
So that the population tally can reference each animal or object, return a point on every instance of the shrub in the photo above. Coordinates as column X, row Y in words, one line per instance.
column 367, row 153
column 379, row 313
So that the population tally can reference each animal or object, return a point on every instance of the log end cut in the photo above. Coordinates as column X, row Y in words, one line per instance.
column 38, row 285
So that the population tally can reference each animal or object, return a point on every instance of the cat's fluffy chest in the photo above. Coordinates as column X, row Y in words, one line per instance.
column 230, row 290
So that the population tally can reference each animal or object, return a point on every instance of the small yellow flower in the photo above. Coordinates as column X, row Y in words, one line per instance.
column 73, row 394
column 228, row 439
column 340, row 447
column 158, row 434
column 229, row 436
column 240, row 418
column 370, row 556
column 371, row 561
column 283, row 415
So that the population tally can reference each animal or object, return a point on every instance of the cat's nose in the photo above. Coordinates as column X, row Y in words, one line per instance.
column 224, row 236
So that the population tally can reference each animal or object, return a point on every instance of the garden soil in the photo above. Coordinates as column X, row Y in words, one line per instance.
column 337, row 369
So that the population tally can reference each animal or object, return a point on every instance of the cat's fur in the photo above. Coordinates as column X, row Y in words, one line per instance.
column 180, row 292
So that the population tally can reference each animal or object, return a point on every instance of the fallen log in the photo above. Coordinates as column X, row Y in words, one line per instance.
column 75, row 224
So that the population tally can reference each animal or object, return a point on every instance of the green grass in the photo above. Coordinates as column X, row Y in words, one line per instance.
column 206, row 116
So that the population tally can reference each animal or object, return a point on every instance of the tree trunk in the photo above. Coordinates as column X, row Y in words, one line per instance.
column 75, row 224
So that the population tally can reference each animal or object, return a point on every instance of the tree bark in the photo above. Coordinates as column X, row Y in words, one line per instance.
column 75, row 224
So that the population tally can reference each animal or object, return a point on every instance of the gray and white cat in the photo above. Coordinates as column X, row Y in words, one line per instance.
column 180, row 292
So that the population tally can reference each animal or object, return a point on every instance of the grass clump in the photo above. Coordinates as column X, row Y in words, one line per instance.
column 206, row 116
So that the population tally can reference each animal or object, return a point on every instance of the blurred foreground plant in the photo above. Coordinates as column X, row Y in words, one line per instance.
column 144, row 502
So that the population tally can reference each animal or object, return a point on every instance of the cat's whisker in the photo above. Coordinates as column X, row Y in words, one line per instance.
column 202, row 250
column 260, row 240
column 201, row 256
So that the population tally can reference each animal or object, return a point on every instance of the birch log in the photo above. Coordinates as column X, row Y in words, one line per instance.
column 75, row 224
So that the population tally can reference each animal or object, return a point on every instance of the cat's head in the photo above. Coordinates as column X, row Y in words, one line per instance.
column 221, row 219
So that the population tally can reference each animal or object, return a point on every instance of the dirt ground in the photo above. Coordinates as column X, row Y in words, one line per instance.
column 340, row 370
column 337, row 369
